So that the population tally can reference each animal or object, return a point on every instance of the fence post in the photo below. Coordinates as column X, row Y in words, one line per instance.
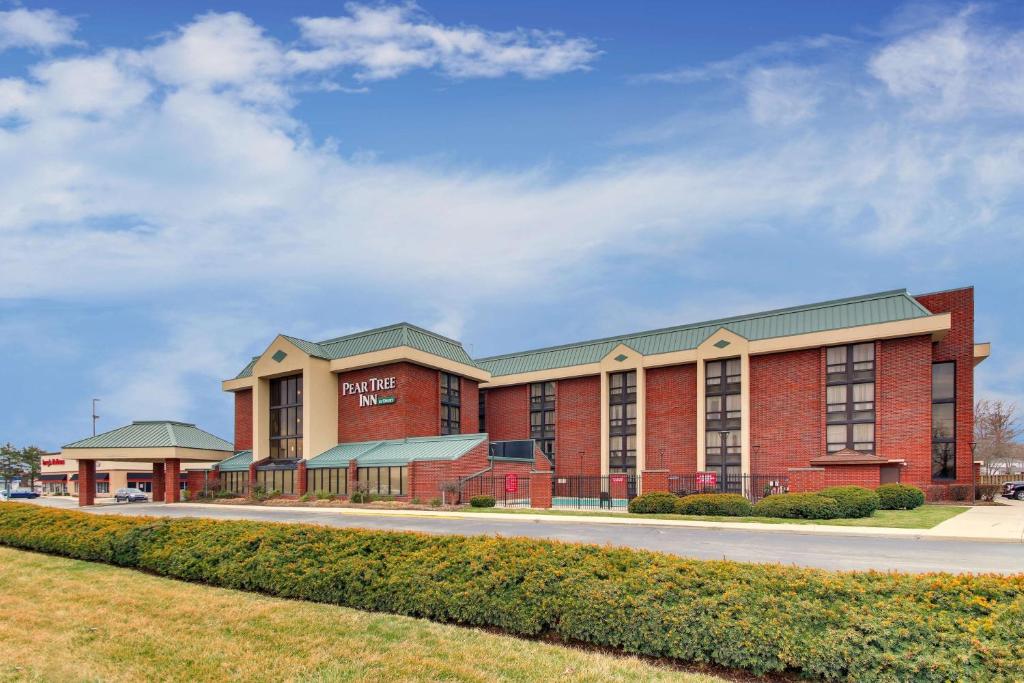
column 654, row 480
column 540, row 489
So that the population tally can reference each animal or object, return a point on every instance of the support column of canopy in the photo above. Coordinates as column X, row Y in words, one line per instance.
column 86, row 482
column 158, row 482
column 172, row 485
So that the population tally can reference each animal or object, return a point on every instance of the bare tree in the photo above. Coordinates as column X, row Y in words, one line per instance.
column 996, row 431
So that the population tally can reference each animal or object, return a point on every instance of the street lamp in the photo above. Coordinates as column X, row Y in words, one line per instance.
column 94, row 415
column 974, row 475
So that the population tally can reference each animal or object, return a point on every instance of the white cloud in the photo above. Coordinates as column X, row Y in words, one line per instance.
column 783, row 95
column 957, row 66
column 42, row 29
column 387, row 41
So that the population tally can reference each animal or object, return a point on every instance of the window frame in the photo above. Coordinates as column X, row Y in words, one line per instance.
column 451, row 403
column 621, row 430
column 282, row 435
column 947, row 444
column 849, row 416
column 543, row 406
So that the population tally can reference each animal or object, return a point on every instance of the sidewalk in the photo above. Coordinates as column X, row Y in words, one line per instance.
column 1004, row 524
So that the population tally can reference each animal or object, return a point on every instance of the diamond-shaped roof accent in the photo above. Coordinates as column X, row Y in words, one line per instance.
column 621, row 357
column 721, row 343
column 279, row 356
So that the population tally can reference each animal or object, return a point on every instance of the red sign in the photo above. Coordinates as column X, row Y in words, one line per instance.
column 618, row 478
column 53, row 461
column 707, row 479
column 511, row 483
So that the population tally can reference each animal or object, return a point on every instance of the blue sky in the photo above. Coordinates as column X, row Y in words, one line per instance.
column 184, row 180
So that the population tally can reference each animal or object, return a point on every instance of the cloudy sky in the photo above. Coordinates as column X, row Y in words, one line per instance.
column 181, row 181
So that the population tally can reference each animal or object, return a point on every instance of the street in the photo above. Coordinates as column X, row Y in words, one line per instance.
column 905, row 554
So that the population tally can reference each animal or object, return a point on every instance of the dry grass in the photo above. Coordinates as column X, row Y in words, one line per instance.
column 67, row 620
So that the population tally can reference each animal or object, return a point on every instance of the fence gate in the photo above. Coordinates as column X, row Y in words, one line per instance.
column 611, row 492
column 509, row 490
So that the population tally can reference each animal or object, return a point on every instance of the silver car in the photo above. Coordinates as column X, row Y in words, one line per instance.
column 130, row 495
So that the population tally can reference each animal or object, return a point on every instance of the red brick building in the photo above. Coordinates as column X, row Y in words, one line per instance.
column 862, row 390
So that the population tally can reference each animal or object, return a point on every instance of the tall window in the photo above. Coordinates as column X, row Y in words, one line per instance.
column 850, row 397
column 542, row 416
column 944, row 421
column 286, row 418
column 482, row 410
column 722, row 413
column 450, row 404
column 622, row 422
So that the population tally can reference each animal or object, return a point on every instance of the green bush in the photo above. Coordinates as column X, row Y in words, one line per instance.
column 899, row 497
column 324, row 495
column 482, row 501
column 729, row 504
column 654, row 503
column 435, row 502
column 797, row 506
column 768, row 619
column 853, row 501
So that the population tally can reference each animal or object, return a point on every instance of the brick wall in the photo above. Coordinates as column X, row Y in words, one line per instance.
column 243, row 420
column 958, row 346
column 787, row 393
column 427, row 477
column 903, row 405
column 508, row 413
column 415, row 412
column 470, row 414
column 672, row 419
column 577, row 426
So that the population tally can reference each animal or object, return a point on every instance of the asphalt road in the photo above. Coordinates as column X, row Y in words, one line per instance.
column 905, row 554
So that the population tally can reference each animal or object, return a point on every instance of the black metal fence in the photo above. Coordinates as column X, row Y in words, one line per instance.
column 509, row 490
column 612, row 492
column 753, row 487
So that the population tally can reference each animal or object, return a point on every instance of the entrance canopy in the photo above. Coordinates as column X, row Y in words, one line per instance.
column 151, row 441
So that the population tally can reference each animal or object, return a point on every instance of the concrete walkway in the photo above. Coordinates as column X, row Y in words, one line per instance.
column 985, row 523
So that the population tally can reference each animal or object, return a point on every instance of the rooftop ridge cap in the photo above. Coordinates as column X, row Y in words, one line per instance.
column 152, row 422
column 706, row 323
column 170, row 434
column 404, row 325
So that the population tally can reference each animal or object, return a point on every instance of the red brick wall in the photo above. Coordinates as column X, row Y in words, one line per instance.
column 787, row 393
column 243, row 420
column 903, row 405
column 427, row 477
column 470, row 414
column 577, row 426
column 416, row 411
column 672, row 419
column 508, row 413
column 803, row 480
column 958, row 346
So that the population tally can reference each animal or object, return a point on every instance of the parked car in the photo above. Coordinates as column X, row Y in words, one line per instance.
column 24, row 493
column 130, row 495
column 1014, row 489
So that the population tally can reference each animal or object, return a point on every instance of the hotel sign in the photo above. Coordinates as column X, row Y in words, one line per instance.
column 53, row 461
column 368, row 391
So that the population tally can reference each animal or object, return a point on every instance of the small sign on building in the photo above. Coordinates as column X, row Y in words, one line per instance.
column 511, row 483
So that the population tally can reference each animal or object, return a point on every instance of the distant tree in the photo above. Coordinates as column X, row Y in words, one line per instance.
column 997, row 430
column 11, row 465
column 31, row 459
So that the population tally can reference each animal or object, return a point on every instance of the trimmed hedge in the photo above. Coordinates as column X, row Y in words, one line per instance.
column 765, row 618
column 797, row 506
column 853, row 501
column 654, row 503
column 482, row 501
column 728, row 504
column 899, row 497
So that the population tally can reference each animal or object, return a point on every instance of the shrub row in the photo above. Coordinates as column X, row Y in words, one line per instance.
column 853, row 501
column 899, row 497
column 658, row 502
column 797, row 506
column 763, row 618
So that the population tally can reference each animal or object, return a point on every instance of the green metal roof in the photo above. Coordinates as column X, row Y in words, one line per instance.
column 398, row 451
column 828, row 315
column 155, row 434
column 392, row 336
column 239, row 462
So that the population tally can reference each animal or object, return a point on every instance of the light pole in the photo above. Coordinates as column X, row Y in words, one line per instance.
column 94, row 415
column 974, row 475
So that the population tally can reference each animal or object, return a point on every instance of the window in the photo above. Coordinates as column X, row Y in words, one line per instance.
column 235, row 482
column 944, row 421
column 622, row 422
column 278, row 479
column 482, row 410
column 723, row 410
column 450, row 404
column 850, row 397
column 383, row 481
column 103, row 487
column 286, row 418
column 542, row 416
column 333, row 480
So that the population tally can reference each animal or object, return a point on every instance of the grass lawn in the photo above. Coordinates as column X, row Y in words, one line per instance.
column 68, row 620
column 924, row 517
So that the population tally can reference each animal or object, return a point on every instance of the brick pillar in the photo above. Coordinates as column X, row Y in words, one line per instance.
column 86, row 482
column 172, row 487
column 654, row 480
column 540, row 489
column 301, row 483
column 353, row 476
column 158, row 482
column 252, row 478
